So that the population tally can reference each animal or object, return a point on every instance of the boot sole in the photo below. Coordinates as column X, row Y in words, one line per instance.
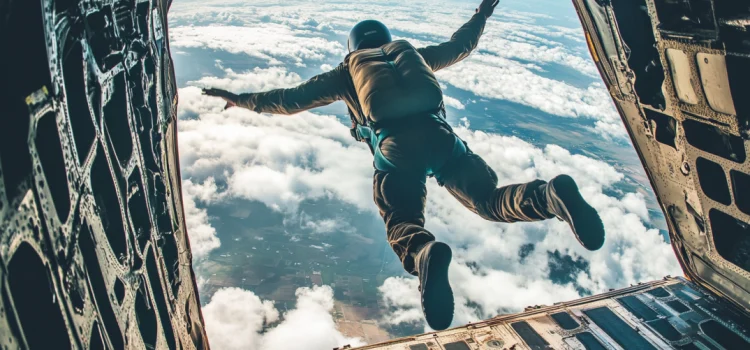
column 585, row 221
column 437, row 295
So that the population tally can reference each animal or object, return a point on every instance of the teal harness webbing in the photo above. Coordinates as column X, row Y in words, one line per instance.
column 383, row 164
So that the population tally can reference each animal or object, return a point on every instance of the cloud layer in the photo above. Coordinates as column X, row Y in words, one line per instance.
column 266, row 41
column 236, row 319
column 277, row 160
column 258, row 79
column 499, row 78
column 512, row 61
column 282, row 161
column 203, row 237
column 504, row 267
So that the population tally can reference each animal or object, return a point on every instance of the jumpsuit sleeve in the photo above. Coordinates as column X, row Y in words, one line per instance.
column 463, row 41
column 320, row 90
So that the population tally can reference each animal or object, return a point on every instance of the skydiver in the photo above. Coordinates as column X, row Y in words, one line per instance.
column 396, row 107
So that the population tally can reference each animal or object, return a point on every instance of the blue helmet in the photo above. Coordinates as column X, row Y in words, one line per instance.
column 368, row 34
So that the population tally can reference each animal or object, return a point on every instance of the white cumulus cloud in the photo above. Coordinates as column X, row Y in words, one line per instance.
column 452, row 102
column 202, row 235
column 267, row 41
column 488, row 271
column 237, row 319
column 277, row 160
column 500, row 78
column 514, row 49
column 258, row 79
column 284, row 160
column 309, row 325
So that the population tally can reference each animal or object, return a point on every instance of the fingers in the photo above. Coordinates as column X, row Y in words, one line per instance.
column 214, row 92
column 487, row 6
column 225, row 95
column 218, row 93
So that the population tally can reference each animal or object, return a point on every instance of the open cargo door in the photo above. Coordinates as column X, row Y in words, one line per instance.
column 93, row 248
column 679, row 74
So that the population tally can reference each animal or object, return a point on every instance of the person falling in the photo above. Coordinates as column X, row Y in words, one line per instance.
column 396, row 107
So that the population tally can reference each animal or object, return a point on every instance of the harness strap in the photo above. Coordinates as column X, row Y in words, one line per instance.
column 382, row 163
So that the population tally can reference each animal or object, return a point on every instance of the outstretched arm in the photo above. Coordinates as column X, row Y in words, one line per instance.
column 462, row 42
column 320, row 90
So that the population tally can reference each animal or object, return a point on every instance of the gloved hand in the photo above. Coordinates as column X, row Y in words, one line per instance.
column 231, row 98
column 487, row 7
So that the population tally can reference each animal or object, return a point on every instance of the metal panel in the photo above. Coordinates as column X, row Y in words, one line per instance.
column 713, row 71
column 616, row 328
column 679, row 64
column 93, row 248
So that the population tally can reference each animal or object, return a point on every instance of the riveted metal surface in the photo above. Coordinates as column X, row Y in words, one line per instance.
column 89, row 180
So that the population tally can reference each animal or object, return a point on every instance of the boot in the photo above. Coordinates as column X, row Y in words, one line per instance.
column 432, row 261
column 565, row 202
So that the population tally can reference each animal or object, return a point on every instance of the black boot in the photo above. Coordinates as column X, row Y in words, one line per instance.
column 432, row 261
column 565, row 201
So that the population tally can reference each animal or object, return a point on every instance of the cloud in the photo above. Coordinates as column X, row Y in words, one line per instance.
column 487, row 290
column 500, row 78
column 258, row 79
column 192, row 103
column 489, row 275
column 515, row 50
column 452, row 102
column 624, row 217
column 235, row 317
column 277, row 160
column 284, row 160
column 270, row 42
column 202, row 235
column 330, row 225
column 401, row 297
column 238, row 319
column 206, row 192
column 532, row 52
column 611, row 130
column 520, row 37
column 309, row 325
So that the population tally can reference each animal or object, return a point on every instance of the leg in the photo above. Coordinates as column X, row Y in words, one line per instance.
column 470, row 180
column 400, row 197
column 474, row 184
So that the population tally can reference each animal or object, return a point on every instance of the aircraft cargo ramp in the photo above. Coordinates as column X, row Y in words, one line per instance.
column 668, row 314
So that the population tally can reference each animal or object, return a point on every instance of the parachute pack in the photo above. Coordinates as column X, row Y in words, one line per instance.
column 394, row 81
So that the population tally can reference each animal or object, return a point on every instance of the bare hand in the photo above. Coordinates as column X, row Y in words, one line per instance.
column 487, row 7
column 227, row 96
